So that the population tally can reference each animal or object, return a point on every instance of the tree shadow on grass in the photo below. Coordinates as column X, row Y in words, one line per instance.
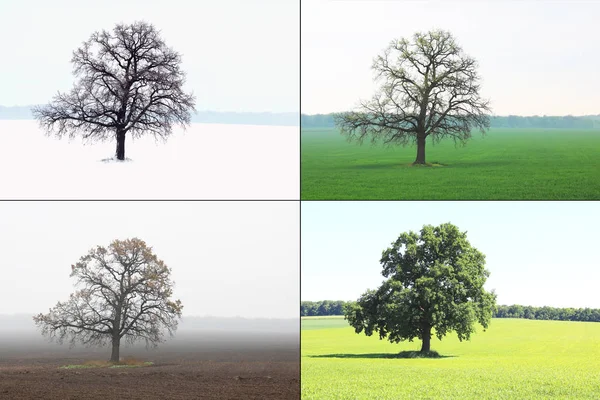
column 435, row 165
column 392, row 165
column 402, row 354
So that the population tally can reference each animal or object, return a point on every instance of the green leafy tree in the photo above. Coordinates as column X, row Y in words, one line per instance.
column 434, row 283
column 515, row 311
column 528, row 312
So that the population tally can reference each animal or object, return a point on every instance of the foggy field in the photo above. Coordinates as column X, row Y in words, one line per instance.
column 190, row 346
column 203, row 336
column 514, row 359
column 505, row 164
column 206, row 161
column 198, row 363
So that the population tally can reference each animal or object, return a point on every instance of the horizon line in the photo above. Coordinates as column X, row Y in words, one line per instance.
column 203, row 110
column 183, row 316
column 491, row 115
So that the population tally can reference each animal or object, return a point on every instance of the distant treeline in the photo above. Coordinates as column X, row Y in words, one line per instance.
column 206, row 117
column 336, row 307
column 511, row 121
column 322, row 308
column 549, row 313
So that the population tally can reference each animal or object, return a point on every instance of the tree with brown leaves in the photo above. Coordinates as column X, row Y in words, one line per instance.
column 124, row 293
column 129, row 82
column 429, row 89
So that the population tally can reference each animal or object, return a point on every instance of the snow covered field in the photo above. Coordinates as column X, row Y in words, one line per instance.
column 204, row 162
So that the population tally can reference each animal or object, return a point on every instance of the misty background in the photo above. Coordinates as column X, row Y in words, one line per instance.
column 235, row 265
column 206, row 117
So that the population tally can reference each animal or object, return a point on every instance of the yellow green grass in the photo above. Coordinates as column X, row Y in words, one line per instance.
column 127, row 362
column 505, row 164
column 513, row 359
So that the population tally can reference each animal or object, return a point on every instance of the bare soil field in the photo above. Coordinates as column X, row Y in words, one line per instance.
column 195, row 366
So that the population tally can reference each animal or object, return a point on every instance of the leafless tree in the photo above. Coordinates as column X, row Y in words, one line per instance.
column 429, row 88
column 129, row 81
column 124, row 293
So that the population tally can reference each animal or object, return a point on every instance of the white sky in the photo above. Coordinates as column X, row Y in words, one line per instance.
column 239, row 55
column 535, row 57
column 538, row 253
column 227, row 258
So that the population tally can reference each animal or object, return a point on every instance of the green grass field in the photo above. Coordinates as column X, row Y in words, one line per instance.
column 514, row 359
column 504, row 164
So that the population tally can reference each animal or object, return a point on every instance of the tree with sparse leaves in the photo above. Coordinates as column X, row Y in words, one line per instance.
column 124, row 293
column 130, row 82
column 429, row 89
column 434, row 283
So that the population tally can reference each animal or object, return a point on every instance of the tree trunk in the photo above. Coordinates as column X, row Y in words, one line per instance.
column 426, row 339
column 116, row 342
column 420, row 149
column 120, row 145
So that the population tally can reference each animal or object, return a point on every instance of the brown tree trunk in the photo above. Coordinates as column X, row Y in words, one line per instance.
column 116, row 342
column 420, row 149
column 120, row 145
column 116, row 337
column 426, row 339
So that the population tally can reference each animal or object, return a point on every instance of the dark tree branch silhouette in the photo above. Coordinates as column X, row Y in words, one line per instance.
column 125, row 293
column 129, row 82
column 429, row 88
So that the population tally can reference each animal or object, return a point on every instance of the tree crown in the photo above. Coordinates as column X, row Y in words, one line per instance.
column 128, row 80
column 428, row 87
column 124, row 291
column 434, row 280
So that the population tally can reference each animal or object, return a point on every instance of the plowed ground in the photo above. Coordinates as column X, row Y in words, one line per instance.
column 217, row 368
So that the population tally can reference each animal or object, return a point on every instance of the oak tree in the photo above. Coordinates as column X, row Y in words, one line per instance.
column 434, row 283
column 429, row 88
column 129, row 82
column 124, row 293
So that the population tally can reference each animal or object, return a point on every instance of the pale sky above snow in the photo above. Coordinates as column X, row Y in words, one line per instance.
column 536, row 57
column 239, row 55
column 538, row 253
column 227, row 258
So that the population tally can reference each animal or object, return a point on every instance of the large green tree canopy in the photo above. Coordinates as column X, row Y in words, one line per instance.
column 434, row 282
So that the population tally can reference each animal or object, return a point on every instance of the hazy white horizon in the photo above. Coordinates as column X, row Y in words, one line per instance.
column 238, row 56
column 228, row 259
column 535, row 57
column 184, row 315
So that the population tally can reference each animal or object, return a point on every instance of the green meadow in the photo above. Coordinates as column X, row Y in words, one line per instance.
column 513, row 359
column 504, row 164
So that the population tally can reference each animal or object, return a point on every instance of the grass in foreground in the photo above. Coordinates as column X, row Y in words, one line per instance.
column 128, row 362
column 505, row 164
column 514, row 359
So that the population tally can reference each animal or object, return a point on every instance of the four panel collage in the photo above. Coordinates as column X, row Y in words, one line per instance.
column 299, row 199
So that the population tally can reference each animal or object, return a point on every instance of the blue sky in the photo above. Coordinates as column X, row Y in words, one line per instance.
column 238, row 55
column 536, row 57
column 538, row 253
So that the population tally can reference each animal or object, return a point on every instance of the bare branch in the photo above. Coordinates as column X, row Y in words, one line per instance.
column 429, row 88
column 124, row 292
column 128, row 81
